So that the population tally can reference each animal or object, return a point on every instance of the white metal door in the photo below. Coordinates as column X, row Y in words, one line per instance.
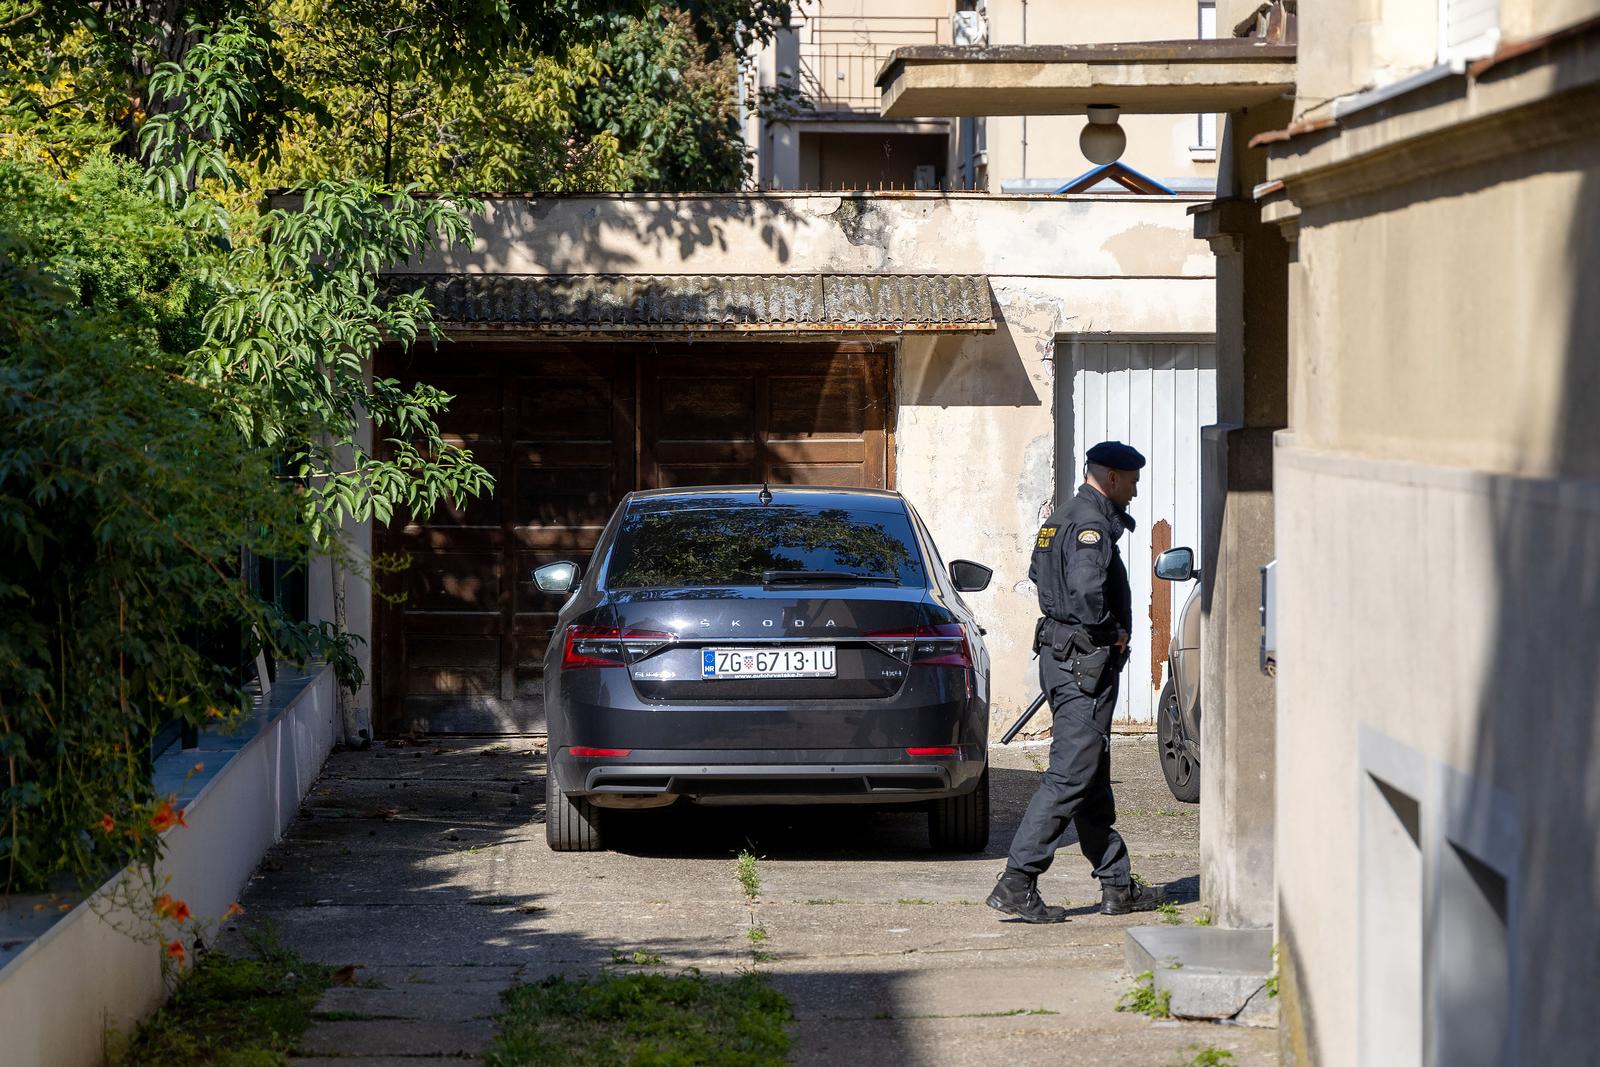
column 1154, row 393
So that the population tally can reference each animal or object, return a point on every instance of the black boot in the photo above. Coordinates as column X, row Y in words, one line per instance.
column 1122, row 899
column 1015, row 894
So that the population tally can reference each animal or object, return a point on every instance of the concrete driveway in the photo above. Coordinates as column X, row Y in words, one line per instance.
column 425, row 866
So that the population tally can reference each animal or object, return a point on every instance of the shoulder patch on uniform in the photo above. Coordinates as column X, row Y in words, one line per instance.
column 1089, row 536
column 1046, row 535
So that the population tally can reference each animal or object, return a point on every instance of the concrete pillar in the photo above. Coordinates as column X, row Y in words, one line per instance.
column 1238, row 709
column 783, row 144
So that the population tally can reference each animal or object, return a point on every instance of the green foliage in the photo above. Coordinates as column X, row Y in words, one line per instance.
column 234, row 1011
column 666, row 1020
column 1207, row 1056
column 1169, row 912
column 180, row 384
column 631, row 99
column 744, row 869
column 1145, row 999
column 124, row 502
column 670, row 107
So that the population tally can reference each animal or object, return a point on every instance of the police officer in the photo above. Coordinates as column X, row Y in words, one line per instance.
column 1082, row 641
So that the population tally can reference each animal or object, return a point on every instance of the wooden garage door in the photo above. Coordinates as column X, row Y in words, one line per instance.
column 567, row 432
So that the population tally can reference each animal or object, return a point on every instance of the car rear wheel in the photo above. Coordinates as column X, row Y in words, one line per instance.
column 571, row 824
column 1177, row 765
column 961, row 823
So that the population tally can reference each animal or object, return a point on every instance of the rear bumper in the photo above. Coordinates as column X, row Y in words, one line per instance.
column 722, row 776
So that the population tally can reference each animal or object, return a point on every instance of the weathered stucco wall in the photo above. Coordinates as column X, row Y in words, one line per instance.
column 1439, row 606
column 1473, row 368
column 975, row 429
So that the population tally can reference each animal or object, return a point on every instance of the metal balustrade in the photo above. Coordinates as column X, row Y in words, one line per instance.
column 840, row 55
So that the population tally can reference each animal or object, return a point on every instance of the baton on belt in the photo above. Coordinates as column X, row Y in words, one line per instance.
column 1017, row 726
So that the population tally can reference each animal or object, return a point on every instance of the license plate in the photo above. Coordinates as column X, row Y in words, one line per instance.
column 812, row 661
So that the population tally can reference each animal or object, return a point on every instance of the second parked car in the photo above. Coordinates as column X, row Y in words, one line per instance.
column 740, row 645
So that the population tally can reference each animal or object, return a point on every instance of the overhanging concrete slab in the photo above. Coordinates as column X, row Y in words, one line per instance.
column 1143, row 77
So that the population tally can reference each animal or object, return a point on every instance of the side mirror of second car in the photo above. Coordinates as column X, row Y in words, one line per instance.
column 557, row 577
column 1176, row 565
column 969, row 577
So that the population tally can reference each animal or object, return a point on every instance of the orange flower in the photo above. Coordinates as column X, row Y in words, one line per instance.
column 214, row 713
column 180, row 912
column 163, row 905
column 175, row 950
column 108, row 824
column 233, row 911
column 197, row 768
column 167, row 816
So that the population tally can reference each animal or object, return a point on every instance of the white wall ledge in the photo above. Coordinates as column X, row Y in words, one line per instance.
column 68, row 977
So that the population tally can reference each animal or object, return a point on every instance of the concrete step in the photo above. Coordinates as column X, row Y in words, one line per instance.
column 1211, row 973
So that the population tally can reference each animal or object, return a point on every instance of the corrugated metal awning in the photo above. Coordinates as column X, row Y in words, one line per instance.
column 706, row 303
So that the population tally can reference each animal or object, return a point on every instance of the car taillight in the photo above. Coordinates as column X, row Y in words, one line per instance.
column 607, row 646
column 929, row 646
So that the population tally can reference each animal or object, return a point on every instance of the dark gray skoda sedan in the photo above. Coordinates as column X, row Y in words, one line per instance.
column 735, row 645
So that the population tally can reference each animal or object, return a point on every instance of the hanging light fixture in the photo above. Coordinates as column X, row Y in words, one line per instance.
column 1102, row 140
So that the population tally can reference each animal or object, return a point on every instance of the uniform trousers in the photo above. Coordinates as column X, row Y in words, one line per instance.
column 1076, row 787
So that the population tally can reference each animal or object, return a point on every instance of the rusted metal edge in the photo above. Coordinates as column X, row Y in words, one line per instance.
column 1513, row 49
column 1504, row 54
column 1292, row 131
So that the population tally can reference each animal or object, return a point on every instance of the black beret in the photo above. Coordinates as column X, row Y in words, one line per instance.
column 1116, row 455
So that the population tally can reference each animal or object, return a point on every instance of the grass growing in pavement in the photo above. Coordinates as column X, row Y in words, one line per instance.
column 1169, row 912
column 636, row 958
column 642, row 1018
column 231, row 1012
column 749, row 877
column 1209, row 1056
column 1145, row 999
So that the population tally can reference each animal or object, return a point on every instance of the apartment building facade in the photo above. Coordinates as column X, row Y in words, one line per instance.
column 812, row 113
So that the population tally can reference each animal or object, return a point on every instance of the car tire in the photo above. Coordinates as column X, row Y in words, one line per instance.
column 1181, row 770
column 961, row 823
column 571, row 824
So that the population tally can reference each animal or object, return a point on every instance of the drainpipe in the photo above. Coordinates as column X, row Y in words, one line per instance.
column 744, row 103
column 1024, row 118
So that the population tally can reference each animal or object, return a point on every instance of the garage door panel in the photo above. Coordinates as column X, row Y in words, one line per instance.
column 685, row 475
column 834, row 450
column 838, row 403
column 700, row 409
column 452, row 582
column 441, row 652
column 452, row 681
column 561, row 496
column 727, row 453
column 846, row 474
column 563, row 409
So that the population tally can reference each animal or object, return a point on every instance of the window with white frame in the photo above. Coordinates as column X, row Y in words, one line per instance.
column 1206, row 125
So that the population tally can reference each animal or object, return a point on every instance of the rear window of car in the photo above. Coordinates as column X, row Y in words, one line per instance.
column 738, row 545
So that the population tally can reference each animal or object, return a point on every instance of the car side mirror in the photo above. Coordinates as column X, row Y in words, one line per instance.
column 557, row 577
column 969, row 577
column 1176, row 565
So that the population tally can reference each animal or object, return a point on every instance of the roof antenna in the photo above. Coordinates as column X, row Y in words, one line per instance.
column 765, row 496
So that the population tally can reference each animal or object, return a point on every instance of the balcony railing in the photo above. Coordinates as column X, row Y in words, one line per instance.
column 840, row 55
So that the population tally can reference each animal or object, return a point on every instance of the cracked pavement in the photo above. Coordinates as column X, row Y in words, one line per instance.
column 426, row 867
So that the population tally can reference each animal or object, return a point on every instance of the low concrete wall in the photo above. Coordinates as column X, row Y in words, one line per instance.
column 91, row 971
